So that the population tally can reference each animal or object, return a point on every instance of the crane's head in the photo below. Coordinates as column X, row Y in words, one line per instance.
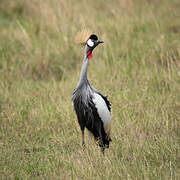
column 91, row 43
column 88, row 40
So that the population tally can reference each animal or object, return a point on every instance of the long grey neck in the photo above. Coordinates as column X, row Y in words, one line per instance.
column 83, row 75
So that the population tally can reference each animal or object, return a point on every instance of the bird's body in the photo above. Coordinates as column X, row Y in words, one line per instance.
column 91, row 107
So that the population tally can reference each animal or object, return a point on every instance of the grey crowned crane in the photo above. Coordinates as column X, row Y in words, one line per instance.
column 91, row 107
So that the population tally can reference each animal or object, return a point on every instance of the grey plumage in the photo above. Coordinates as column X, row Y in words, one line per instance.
column 83, row 99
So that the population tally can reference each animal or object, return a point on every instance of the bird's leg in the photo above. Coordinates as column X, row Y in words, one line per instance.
column 82, row 134
column 102, row 149
column 82, row 127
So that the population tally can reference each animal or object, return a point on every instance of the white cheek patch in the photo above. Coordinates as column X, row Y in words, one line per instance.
column 90, row 43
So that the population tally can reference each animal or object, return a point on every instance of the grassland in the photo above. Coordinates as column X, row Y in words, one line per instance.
column 138, row 67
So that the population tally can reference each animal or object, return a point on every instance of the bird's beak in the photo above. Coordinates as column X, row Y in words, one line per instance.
column 99, row 41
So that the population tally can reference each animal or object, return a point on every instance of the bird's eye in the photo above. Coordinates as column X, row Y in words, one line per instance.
column 90, row 43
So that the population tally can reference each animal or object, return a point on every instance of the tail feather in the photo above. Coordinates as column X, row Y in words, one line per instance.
column 107, row 130
column 105, row 136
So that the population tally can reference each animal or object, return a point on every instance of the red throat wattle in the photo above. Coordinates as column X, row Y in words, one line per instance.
column 89, row 54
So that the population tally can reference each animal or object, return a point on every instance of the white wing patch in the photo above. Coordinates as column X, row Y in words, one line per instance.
column 102, row 111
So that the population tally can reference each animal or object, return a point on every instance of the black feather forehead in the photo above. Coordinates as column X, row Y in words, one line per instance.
column 93, row 37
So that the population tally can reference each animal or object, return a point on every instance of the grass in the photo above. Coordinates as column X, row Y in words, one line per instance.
column 137, row 67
